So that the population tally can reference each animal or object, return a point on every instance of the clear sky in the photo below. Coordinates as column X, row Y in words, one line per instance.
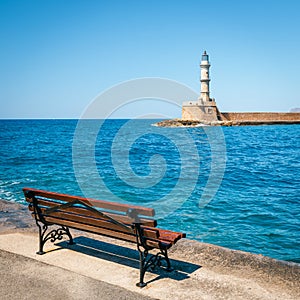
column 57, row 55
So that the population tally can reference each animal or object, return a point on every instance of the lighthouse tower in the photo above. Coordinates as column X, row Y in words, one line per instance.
column 204, row 109
column 204, row 79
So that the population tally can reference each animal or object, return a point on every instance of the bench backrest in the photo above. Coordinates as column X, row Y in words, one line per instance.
column 96, row 216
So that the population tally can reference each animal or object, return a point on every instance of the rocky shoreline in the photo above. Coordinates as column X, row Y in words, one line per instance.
column 15, row 216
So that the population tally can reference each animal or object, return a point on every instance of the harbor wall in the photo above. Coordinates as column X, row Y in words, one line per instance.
column 259, row 116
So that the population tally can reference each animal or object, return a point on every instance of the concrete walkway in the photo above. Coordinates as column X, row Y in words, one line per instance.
column 26, row 278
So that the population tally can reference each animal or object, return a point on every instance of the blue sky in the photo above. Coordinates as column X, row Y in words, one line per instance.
column 56, row 56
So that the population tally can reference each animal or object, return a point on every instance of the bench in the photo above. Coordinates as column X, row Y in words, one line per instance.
column 129, row 223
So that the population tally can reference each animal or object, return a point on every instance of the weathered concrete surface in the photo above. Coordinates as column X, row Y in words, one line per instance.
column 202, row 271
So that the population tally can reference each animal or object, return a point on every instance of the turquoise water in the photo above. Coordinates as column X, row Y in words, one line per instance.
column 255, row 206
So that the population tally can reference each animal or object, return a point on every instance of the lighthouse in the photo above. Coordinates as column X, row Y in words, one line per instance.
column 204, row 78
column 204, row 109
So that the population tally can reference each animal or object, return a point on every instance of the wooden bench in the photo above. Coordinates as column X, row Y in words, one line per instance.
column 120, row 221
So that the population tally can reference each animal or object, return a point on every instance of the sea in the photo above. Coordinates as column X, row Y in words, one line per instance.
column 237, row 187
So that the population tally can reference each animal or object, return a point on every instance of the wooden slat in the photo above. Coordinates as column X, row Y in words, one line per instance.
column 92, row 202
column 92, row 229
column 83, row 211
column 149, row 233
column 89, row 221
column 158, row 244
column 44, row 202
column 127, row 220
column 170, row 236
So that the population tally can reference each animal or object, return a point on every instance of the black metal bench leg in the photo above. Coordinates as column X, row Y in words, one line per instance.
column 165, row 254
column 142, row 255
column 151, row 263
column 41, row 240
column 53, row 235
column 71, row 241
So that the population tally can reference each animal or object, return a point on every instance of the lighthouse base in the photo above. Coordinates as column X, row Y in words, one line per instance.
column 206, row 111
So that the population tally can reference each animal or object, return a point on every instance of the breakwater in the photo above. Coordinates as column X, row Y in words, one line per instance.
column 237, row 119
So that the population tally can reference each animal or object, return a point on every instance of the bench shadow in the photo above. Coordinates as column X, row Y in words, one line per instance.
column 128, row 257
